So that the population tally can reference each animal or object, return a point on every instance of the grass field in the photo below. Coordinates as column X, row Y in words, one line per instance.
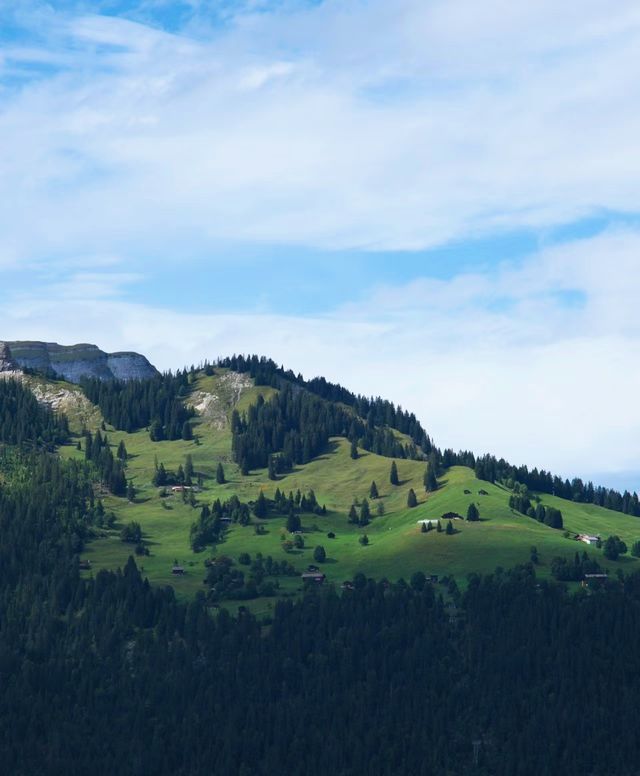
column 396, row 547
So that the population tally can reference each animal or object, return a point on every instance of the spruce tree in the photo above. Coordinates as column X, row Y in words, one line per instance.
column 365, row 513
column 373, row 491
column 160, row 477
column 393, row 474
column 131, row 491
column 430, row 480
column 260, row 507
column 439, row 527
column 449, row 529
column 423, row 529
column 319, row 554
column 353, row 515
column 220, row 474
column 473, row 515
column 188, row 469
column 412, row 501
column 354, row 449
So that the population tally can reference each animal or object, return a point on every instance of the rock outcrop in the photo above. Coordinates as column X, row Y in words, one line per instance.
column 73, row 362
column 7, row 364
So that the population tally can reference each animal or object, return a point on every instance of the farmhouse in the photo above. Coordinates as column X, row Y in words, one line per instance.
column 587, row 539
column 177, row 571
column 317, row 577
column 84, row 565
column 594, row 578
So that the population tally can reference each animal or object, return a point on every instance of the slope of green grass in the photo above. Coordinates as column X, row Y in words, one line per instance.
column 397, row 547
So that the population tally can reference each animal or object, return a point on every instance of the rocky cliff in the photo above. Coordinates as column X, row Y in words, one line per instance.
column 76, row 361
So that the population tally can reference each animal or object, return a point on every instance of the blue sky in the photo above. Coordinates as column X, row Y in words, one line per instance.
column 435, row 200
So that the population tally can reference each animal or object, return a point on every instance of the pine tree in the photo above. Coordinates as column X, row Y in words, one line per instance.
column 260, row 507
column 430, row 480
column 220, row 474
column 160, row 477
column 188, row 469
column 373, row 491
column 393, row 474
column 412, row 501
column 156, row 431
column 319, row 554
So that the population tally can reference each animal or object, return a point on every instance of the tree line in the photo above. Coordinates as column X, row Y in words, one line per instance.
column 155, row 403
column 376, row 411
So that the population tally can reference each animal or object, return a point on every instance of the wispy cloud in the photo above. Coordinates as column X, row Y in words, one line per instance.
column 368, row 125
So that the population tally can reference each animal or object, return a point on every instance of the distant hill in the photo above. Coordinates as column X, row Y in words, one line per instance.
column 73, row 362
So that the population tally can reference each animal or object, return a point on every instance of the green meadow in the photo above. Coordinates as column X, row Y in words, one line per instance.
column 397, row 547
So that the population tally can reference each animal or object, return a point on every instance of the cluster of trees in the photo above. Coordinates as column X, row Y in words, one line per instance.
column 209, row 527
column 155, row 403
column 521, row 501
column 110, row 468
column 565, row 571
column 183, row 475
column 490, row 468
column 291, row 504
column 377, row 412
column 360, row 514
column 24, row 421
column 294, row 426
column 614, row 547
column 225, row 580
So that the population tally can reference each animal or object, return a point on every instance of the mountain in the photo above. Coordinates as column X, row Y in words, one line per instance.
column 73, row 362
column 202, row 561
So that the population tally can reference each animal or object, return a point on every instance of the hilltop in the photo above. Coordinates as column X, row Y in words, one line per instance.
column 276, row 437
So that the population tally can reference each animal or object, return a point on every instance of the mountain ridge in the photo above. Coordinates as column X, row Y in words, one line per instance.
column 74, row 362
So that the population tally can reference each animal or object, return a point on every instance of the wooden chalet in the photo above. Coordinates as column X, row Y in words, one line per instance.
column 317, row 577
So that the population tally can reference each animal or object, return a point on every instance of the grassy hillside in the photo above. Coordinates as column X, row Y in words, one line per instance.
column 396, row 548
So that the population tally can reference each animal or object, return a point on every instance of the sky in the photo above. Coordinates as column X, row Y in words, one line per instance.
column 436, row 201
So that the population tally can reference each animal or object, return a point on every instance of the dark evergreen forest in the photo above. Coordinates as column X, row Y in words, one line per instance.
column 155, row 403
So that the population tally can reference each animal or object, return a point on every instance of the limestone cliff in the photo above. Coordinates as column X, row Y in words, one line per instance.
column 76, row 361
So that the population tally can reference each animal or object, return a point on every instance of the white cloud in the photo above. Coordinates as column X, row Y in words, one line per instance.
column 493, row 361
column 369, row 124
